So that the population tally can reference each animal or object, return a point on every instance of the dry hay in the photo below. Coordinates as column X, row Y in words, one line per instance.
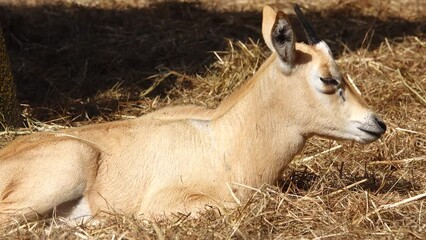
column 336, row 190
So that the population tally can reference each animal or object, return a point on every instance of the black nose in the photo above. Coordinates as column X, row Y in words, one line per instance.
column 380, row 123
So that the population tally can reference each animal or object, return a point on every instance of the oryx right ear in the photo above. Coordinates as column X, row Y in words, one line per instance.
column 279, row 35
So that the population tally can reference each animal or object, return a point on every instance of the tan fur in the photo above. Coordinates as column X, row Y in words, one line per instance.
column 180, row 159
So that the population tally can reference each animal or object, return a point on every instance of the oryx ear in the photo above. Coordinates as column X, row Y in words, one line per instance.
column 268, row 21
column 279, row 35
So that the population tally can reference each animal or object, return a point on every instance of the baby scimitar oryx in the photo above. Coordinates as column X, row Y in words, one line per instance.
column 181, row 159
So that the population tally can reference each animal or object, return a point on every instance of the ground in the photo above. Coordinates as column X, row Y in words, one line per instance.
column 95, row 61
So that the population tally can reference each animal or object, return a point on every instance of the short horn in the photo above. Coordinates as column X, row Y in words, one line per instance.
column 307, row 27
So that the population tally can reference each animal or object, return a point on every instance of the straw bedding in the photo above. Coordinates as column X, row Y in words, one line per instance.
column 76, row 64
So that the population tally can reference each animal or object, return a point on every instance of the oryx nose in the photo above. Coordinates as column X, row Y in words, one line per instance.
column 380, row 123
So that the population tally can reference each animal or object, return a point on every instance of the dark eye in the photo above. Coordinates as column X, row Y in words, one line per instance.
column 329, row 81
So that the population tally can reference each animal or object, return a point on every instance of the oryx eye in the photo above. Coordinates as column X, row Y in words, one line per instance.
column 329, row 81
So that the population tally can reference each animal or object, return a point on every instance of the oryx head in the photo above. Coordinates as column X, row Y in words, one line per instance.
column 323, row 102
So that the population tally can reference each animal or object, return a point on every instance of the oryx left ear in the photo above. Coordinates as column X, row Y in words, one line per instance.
column 279, row 36
column 283, row 39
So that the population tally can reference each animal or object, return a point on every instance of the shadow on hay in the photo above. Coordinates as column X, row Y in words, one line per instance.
column 62, row 56
column 301, row 181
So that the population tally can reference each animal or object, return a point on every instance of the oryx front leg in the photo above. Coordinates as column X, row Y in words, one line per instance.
column 38, row 178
